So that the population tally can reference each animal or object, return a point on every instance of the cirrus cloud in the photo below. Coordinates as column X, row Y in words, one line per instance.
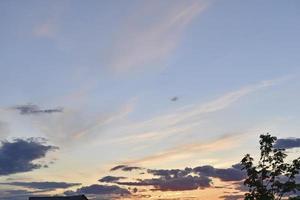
column 43, row 185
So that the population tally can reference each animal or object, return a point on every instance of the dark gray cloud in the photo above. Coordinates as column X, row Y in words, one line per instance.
column 287, row 143
column 174, row 98
column 118, row 167
column 229, row 174
column 173, row 184
column 18, row 156
column 31, row 109
column 170, row 173
column 43, row 185
column 125, row 168
column 183, row 183
column 171, row 180
column 111, row 179
column 185, row 179
column 100, row 190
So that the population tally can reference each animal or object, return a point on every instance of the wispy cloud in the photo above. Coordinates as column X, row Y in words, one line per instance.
column 78, row 125
column 177, row 122
column 152, row 32
column 184, row 118
column 31, row 109
column 222, row 143
column 43, row 185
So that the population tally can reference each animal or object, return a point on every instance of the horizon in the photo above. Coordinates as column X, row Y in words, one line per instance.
column 112, row 98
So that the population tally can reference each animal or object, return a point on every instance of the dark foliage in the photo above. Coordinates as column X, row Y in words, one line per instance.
column 272, row 178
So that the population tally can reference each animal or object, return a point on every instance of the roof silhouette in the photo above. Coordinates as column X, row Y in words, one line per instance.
column 78, row 197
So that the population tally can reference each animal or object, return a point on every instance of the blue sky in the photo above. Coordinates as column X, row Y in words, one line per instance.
column 114, row 66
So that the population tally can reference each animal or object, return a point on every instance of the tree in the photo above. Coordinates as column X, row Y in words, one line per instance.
column 271, row 178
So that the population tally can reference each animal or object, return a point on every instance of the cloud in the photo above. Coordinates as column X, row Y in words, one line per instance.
column 111, row 179
column 31, row 109
column 43, row 185
column 117, row 167
column 183, row 183
column 229, row 174
column 187, row 178
column 100, row 190
column 230, row 98
column 223, row 142
column 174, row 98
column 78, row 126
column 125, row 168
column 185, row 120
column 173, row 184
column 170, row 173
column 287, row 143
column 171, row 180
column 152, row 32
column 18, row 156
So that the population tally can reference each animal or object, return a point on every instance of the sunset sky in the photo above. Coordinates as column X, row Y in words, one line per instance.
column 105, row 98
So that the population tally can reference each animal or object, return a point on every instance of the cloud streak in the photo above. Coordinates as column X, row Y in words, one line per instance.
column 222, row 143
column 74, row 126
column 125, row 168
column 43, row 185
column 143, row 45
column 31, row 109
column 176, row 122
column 111, row 179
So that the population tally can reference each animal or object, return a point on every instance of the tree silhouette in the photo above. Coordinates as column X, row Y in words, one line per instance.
column 271, row 178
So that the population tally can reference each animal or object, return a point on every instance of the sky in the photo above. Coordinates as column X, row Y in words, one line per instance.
column 143, row 99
